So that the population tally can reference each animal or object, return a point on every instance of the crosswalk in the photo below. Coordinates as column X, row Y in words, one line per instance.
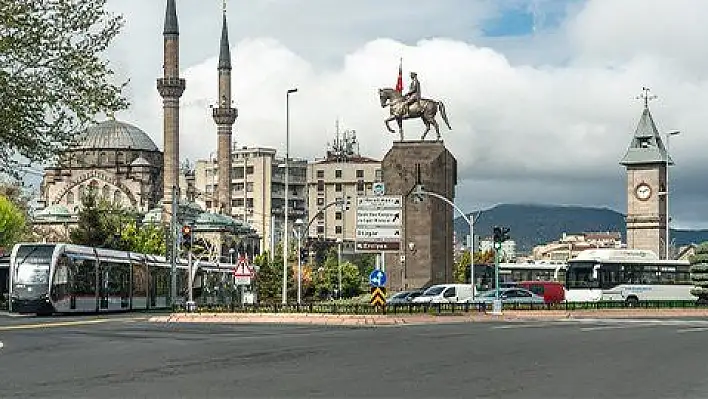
column 599, row 324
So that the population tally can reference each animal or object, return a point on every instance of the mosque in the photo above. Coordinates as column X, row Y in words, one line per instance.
column 122, row 164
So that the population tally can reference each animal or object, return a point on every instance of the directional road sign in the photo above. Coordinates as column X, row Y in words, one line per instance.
column 379, row 223
column 378, row 296
column 377, row 278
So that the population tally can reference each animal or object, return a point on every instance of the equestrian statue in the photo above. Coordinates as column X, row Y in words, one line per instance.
column 412, row 105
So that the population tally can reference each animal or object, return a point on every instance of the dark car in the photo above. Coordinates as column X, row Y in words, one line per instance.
column 403, row 297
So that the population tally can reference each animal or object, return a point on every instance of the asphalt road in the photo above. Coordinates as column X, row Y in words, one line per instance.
column 125, row 356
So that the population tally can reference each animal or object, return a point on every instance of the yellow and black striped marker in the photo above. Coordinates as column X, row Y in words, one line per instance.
column 378, row 296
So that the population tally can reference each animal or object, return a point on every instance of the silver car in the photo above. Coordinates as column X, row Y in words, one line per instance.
column 509, row 295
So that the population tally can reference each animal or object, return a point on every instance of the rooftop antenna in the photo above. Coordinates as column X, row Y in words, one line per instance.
column 646, row 97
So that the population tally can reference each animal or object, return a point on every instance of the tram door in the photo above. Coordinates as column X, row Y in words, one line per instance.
column 103, row 286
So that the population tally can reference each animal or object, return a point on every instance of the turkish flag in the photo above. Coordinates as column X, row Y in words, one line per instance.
column 399, row 82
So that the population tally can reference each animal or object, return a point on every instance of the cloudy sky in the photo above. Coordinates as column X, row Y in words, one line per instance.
column 540, row 93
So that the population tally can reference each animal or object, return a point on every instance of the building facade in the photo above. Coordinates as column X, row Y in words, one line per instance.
column 257, row 190
column 342, row 174
column 646, row 162
column 570, row 245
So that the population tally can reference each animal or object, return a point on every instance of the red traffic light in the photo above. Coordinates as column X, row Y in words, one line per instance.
column 186, row 230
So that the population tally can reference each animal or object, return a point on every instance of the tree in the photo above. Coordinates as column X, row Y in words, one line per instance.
column 147, row 239
column 12, row 222
column 461, row 273
column 699, row 273
column 327, row 277
column 53, row 80
column 104, row 225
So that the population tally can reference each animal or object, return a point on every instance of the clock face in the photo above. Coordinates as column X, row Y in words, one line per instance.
column 643, row 191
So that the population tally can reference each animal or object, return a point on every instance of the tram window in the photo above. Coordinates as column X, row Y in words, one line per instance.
column 60, row 282
column 84, row 273
column 139, row 280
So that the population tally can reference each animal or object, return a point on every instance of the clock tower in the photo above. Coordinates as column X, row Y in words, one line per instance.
column 646, row 162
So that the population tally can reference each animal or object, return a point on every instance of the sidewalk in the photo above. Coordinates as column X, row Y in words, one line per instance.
column 393, row 320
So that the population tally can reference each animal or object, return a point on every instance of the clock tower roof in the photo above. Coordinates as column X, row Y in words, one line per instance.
column 646, row 146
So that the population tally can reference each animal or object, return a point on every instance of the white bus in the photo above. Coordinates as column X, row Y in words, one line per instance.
column 626, row 275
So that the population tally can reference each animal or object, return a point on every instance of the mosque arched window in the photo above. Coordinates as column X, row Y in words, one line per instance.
column 120, row 158
column 106, row 192
column 117, row 197
column 69, row 198
column 102, row 159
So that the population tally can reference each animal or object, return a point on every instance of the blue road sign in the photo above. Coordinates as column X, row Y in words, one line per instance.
column 377, row 278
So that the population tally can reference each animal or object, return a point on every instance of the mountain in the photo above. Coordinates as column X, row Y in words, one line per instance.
column 532, row 225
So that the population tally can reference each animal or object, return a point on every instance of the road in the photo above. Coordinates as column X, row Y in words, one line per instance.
column 126, row 356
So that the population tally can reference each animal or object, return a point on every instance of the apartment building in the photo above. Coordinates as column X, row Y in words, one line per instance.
column 342, row 173
column 257, row 190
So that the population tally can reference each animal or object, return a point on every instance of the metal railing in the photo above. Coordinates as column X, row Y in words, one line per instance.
column 439, row 309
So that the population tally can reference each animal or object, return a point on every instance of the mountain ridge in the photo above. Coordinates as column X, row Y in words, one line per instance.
column 535, row 224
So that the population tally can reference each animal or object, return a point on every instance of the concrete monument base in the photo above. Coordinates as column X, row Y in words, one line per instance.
column 426, row 254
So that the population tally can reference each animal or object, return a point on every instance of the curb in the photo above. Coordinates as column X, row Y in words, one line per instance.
column 394, row 320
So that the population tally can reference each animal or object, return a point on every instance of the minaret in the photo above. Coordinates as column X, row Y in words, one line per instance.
column 646, row 162
column 171, row 87
column 224, row 116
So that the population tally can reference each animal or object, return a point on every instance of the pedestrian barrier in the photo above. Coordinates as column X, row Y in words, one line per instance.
column 438, row 308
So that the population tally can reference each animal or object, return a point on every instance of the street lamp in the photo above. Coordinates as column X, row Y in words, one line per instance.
column 418, row 194
column 298, row 234
column 287, row 166
column 667, row 240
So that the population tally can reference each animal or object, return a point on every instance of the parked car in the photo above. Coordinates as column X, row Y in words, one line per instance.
column 509, row 295
column 445, row 293
column 403, row 297
column 551, row 291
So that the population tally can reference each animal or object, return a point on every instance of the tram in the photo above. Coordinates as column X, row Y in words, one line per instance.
column 67, row 278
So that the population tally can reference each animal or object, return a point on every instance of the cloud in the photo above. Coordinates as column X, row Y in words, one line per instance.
column 541, row 118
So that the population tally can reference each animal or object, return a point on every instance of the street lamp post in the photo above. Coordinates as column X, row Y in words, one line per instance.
column 287, row 167
column 667, row 241
column 298, row 235
column 419, row 193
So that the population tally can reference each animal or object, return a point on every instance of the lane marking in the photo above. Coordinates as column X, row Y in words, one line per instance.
column 695, row 329
column 525, row 326
column 56, row 324
column 1, row 345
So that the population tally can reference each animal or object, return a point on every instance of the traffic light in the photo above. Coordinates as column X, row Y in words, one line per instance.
column 500, row 234
column 304, row 255
column 187, row 236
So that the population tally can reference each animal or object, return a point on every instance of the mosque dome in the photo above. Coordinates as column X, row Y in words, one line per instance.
column 112, row 134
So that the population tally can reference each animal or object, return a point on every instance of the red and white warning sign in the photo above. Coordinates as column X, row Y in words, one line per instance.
column 243, row 272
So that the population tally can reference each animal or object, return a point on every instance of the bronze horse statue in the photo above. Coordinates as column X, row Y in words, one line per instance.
column 425, row 109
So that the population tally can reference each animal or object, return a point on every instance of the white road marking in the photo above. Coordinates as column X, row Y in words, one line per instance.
column 695, row 329
column 508, row 327
column 1, row 345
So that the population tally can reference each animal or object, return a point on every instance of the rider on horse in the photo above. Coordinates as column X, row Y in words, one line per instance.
column 413, row 95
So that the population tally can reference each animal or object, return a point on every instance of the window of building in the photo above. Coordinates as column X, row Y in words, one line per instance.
column 117, row 197
column 359, row 173
column 338, row 229
column 360, row 186
column 338, row 187
column 338, row 216
column 320, row 216
column 320, row 201
column 237, row 187
column 320, row 174
column 237, row 172
column 338, row 173
column 249, row 187
column 249, row 170
column 237, row 202
column 249, row 202
column 69, row 198
column 208, row 204
column 106, row 192
column 379, row 175
column 320, row 186
column 320, row 229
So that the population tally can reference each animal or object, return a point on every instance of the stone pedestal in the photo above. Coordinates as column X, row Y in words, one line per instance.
column 426, row 255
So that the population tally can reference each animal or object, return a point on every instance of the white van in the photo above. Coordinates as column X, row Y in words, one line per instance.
column 445, row 293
